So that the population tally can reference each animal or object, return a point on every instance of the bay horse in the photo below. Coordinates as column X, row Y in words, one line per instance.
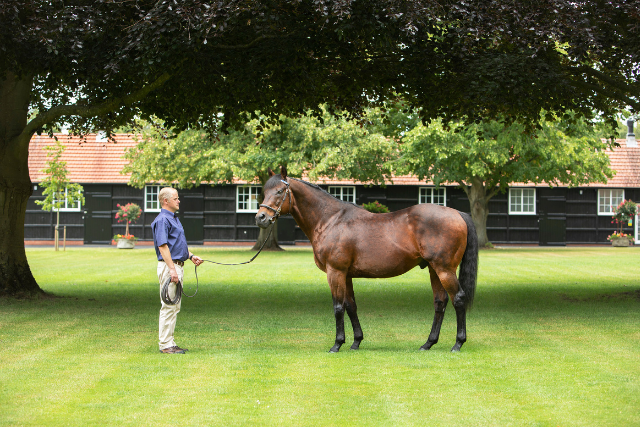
column 350, row 242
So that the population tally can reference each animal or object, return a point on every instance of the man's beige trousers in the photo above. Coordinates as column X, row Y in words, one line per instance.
column 168, row 313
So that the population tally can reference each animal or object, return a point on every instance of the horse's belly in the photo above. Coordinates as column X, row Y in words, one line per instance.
column 384, row 265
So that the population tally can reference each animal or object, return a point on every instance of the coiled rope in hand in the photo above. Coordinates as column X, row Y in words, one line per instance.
column 164, row 292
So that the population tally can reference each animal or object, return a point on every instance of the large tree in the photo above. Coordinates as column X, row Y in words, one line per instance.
column 194, row 63
column 322, row 147
column 100, row 64
column 484, row 159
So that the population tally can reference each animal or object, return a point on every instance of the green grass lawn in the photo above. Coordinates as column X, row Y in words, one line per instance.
column 553, row 340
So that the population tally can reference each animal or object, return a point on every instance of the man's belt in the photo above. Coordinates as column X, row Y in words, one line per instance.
column 177, row 262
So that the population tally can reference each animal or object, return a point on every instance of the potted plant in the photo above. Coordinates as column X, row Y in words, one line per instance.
column 619, row 239
column 623, row 213
column 128, row 213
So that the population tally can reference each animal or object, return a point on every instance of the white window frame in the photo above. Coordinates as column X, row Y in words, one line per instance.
column 606, row 210
column 156, row 201
column 65, row 207
column 341, row 194
column 513, row 192
column 254, row 191
column 425, row 193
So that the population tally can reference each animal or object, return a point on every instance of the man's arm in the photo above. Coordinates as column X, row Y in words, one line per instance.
column 166, row 256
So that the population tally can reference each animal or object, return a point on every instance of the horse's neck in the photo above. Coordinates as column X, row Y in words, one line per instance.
column 312, row 208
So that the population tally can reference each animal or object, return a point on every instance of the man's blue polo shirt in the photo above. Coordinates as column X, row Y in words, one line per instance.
column 167, row 229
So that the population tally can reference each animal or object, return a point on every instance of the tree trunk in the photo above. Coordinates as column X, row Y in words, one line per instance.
column 479, row 204
column 16, row 278
column 272, row 243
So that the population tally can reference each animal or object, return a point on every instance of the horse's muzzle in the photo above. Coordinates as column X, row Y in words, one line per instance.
column 263, row 220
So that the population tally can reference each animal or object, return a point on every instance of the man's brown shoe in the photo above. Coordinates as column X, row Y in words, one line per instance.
column 172, row 350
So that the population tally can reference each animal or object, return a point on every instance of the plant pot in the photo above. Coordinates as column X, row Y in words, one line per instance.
column 620, row 242
column 126, row 243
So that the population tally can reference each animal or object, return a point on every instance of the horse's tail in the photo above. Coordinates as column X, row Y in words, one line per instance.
column 469, row 266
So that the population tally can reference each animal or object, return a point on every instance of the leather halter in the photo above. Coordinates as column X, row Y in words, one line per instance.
column 277, row 211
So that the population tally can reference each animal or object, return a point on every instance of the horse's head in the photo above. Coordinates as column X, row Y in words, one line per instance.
column 277, row 199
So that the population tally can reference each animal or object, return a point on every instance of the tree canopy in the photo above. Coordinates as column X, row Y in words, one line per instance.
column 326, row 147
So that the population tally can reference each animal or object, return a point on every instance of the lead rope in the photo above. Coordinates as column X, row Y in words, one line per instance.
column 164, row 293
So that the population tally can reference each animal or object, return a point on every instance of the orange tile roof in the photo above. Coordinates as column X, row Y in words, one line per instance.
column 88, row 161
column 92, row 161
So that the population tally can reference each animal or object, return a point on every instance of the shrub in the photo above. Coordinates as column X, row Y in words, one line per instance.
column 376, row 207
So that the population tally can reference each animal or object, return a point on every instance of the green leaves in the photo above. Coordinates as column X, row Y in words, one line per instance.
column 328, row 147
column 498, row 154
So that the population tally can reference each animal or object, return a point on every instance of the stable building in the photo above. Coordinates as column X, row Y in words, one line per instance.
column 224, row 214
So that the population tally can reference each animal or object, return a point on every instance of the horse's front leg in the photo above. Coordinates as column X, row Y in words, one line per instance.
column 337, row 282
column 352, row 311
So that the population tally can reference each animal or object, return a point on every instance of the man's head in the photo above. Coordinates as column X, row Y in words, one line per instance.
column 168, row 198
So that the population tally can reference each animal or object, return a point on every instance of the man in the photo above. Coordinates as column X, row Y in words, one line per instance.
column 172, row 252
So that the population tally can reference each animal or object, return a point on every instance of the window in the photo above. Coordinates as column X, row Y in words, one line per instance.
column 248, row 198
column 67, row 207
column 522, row 201
column 437, row 196
column 151, row 202
column 609, row 199
column 346, row 194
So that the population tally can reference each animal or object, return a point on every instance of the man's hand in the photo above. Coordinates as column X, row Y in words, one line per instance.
column 196, row 260
column 174, row 275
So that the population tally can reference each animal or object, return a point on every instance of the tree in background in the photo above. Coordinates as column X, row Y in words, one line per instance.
column 58, row 191
column 485, row 158
column 329, row 147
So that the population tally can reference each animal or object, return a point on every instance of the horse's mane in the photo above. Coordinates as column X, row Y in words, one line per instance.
column 317, row 187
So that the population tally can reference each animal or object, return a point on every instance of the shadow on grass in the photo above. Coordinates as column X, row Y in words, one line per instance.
column 413, row 301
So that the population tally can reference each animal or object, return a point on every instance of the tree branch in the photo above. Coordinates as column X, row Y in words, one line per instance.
column 621, row 86
column 90, row 111
column 250, row 44
column 614, row 94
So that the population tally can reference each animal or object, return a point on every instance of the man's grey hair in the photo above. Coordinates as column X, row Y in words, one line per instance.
column 165, row 194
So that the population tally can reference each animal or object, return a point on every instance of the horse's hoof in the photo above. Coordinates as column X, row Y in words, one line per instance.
column 355, row 346
column 334, row 349
column 427, row 346
column 456, row 348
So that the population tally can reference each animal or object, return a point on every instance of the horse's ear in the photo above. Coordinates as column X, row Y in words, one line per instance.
column 283, row 172
column 271, row 173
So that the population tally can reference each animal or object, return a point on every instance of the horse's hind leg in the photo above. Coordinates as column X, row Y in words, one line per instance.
column 440, row 300
column 460, row 304
column 352, row 311
column 337, row 283
column 458, row 298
